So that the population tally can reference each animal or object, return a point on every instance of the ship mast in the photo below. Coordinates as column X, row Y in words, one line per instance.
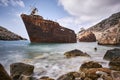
column 34, row 11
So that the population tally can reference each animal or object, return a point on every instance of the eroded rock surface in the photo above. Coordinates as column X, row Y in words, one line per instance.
column 75, row 53
column 86, row 36
column 18, row 69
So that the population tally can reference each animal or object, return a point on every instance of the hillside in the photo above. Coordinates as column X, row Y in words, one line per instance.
column 8, row 35
column 107, row 32
column 106, row 23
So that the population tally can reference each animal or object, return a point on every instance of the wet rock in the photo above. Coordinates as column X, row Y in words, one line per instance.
column 89, row 65
column 86, row 36
column 106, row 77
column 115, row 64
column 75, row 53
column 18, row 69
column 45, row 78
column 117, row 68
column 111, row 54
column 116, row 75
column 70, row 76
column 24, row 77
column 95, row 73
column 3, row 74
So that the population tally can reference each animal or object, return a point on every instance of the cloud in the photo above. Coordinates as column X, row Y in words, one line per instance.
column 12, row 2
column 88, row 11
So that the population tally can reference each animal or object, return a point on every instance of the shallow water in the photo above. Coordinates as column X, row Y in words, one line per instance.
column 48, row 58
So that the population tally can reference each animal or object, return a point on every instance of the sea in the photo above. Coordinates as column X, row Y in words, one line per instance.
column 48, row 58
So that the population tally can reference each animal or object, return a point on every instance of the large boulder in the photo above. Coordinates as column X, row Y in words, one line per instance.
column 112, row 53
column 86, row 36
column 95, row 73
column 89, row 65
column 3, row 74
column 18, row 69
column 75, row 53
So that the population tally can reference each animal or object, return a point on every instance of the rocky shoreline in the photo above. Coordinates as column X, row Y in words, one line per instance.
column 89, row 70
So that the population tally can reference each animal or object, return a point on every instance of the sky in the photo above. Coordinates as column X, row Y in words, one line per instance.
column 73, row 14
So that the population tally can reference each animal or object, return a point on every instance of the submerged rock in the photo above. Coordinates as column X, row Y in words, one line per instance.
column 111, row 54
column 18, row 69
column 86, row 36
column 75, row 53
column 3, row 74
column 89, row 65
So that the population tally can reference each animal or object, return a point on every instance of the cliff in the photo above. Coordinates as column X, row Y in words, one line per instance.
column 108, row 30
column 8, row 35
column 47, row 31
column 106, row 23
column 86, row 36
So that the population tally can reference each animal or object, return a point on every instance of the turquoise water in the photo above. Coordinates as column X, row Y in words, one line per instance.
column 47, row 58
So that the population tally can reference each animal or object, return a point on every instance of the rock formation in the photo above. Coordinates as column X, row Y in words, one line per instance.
column 110, row 36
column 86, row 36
column 8, row 35
column 108, row 30
column 90, row 64
column 94, row 71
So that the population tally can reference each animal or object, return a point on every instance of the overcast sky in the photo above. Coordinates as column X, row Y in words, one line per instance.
column 72, row 14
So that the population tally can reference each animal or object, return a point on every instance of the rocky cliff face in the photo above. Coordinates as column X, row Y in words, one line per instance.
column 105, row 24
column 108, row 30
column 8, row 35
column 86, row 36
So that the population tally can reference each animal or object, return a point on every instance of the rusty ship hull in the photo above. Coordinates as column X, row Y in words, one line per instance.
column 47, row 31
